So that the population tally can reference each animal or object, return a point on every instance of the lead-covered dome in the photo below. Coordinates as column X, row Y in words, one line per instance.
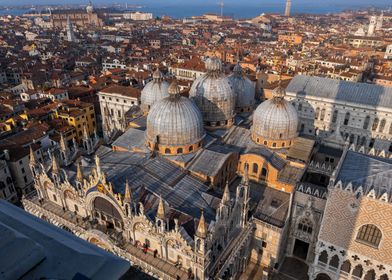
column 155, row 90
column 174, row 124
column 244, row 90
column 275, row 122
column 214, row 96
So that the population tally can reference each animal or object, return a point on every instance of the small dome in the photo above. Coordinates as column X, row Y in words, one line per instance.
column 155, row 90
column 275, row 122
column 244, row 90
column 214, row 95
column 174, row 124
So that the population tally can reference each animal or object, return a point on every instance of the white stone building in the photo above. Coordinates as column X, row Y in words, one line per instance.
column 362, row 111
column 115, row 101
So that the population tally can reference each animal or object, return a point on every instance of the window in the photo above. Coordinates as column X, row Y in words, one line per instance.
column 366, row 122
column 317, row 113
column 346, row 118
column 54, row 198
column 300, row 107
column 382, row 126
column 275, row 203
column 369, row 234
column 255, row 168
column 167, row 151
column 334, row 116
column 375, row 124
column 179, row 151
column 76, row 208
column 191, row 148
column 322, row 115
column 305, row 225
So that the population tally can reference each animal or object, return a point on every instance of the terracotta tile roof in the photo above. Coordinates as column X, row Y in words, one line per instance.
column 122, row 90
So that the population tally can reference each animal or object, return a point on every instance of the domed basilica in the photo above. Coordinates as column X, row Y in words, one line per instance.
column 174, row 124
column 195, row 180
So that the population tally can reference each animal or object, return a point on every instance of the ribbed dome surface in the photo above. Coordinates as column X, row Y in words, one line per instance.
column 275, row 120
column 243, row 87
column 176, row 121
column 155, row 90
column 213, row 94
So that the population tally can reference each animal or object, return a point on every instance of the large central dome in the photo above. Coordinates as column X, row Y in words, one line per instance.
column 155, row 90
column 214, row 96
column 275, row 122
column 174, row 124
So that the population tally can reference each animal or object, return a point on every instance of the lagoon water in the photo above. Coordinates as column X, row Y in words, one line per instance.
column 237, row 10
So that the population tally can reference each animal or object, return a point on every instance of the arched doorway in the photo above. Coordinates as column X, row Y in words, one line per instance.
column 323, row 276
column 107, row 211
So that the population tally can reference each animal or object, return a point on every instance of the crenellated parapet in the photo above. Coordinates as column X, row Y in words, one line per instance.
column 371, row 191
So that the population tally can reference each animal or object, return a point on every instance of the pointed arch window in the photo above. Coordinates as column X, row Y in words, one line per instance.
column 255, row 168
column 382, row 125
column 305, row 225
column 375, row 124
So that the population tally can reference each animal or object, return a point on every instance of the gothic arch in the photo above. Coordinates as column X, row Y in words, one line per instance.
column 334, row 262
column 323, row 257
column 345, row 268
column 93, row 195
column 358, row 271
column 370, row 275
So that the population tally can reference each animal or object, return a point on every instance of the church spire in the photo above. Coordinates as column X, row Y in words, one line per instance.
column 79, row 173
column 201, row 228
column 128, row 193
column 226, row 194
column 33, row 159
column 55, row 164
column 86, row 135
column 63, row 143
column 161, row 209
column 98, row 165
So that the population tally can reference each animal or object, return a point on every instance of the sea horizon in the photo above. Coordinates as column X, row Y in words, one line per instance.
column 233, row 10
